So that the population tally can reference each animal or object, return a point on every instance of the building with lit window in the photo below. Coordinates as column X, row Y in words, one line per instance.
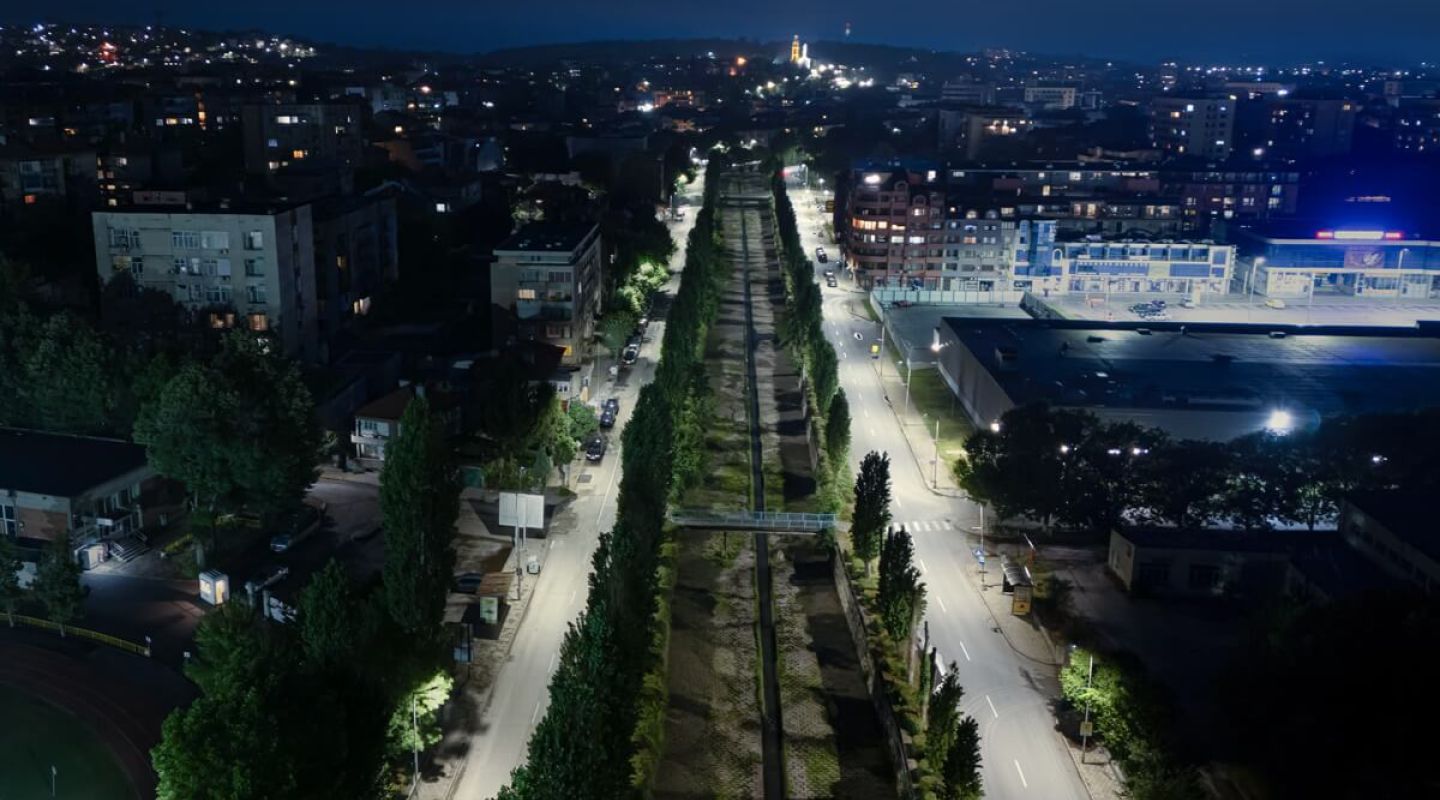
column 1193, row 127
column 965, row 132
column 230, row 265
column 356, row 258
column 550, row 277
column 278, row 135
column 1120, row 266
column 1297, row 260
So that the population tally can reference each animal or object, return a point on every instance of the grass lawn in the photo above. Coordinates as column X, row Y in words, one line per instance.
column 37, row 736
column 930, row 394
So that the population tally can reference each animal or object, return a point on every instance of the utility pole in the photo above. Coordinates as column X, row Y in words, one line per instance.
column 415, row 726
column 909, row 375
column 935, row 479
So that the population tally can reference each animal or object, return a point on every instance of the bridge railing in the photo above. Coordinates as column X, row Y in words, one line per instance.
column 786, row 521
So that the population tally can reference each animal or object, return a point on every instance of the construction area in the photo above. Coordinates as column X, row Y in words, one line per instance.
column 766, row 697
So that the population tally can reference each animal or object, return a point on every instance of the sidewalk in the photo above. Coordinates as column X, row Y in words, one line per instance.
column 1032, row 642
column 919, row 432
column 476, row 680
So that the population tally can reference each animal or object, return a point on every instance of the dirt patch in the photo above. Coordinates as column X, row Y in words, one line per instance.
column 834, row 745
column 712, row 725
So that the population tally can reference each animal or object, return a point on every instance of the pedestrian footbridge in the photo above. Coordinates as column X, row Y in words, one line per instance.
column 768, row 521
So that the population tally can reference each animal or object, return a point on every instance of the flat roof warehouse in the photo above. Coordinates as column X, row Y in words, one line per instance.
column 1210, row 381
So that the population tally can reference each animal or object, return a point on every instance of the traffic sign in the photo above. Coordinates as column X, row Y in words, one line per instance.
column 1087, row 729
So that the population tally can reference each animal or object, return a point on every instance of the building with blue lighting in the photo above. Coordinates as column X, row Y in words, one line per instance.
column 1298, row 261
column 1118, row 266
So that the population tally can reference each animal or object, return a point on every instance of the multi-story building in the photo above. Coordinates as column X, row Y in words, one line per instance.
column 968, row 93
column 1120, row 266
column 549, row 275
column 1193, row 127
column 1286, row 127
column 1296, row 260
column 277, row 135
column 355, row 257
column 30, row 177
column 1416, row 126
column 252, row 267
column 1251, row 195
column 1051, row 97
column 965, row 132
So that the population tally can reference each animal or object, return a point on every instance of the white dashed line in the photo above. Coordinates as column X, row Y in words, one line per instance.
column 992, row 707
column 964, row 651
column 922, row 564
column 572, row 596
column 1023, row 782
column 939, row 600
column 552, row 662
column 536, row 715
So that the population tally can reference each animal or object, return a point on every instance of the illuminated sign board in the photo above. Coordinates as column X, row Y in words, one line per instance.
column 1363, row 235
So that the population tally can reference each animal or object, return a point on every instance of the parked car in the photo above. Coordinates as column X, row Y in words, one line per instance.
column 1187, row 303
column 607, row 418
column 902, row 304
column 829, row 273
column 612, row 405
column 595, row 450
column 820, row 255
column 830, row 281
column 1274, row 302
column 281, row 542
column 265, row 578
column 630, row 355
column 642, row 325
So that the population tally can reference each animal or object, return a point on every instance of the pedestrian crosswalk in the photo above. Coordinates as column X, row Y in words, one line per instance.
column 923, row 525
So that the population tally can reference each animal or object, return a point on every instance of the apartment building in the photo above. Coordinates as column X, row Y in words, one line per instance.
column 549, row 276
column 278, row 135
column 251, row 267
column 356, row 257
column 1051, row 98
column 1193, row 127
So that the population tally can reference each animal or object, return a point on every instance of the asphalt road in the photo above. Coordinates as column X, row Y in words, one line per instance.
column 1008, row 694
column 521, row 686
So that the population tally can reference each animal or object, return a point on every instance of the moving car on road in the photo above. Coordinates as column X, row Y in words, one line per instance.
column 820, row 255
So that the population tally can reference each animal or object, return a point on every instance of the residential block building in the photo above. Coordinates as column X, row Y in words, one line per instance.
column 1193, row 127
column 356, row 258
column 550, row 276
column 252, row 267
column 281, row 134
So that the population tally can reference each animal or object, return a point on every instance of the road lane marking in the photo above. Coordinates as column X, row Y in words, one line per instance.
column 872, row 432
column 992, row 707
column 552, row 662
column 1023, row 782
column 964, row 651
column 946, row 523
column 536, row 715
column 867, row 412
column 941, row 601
column 572, row 596
column 922, row 564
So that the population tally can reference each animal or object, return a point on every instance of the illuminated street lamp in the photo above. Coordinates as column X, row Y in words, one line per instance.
column 995, row 427
column 1280, row 422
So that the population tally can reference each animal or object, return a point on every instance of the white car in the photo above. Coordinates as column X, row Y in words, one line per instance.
column 1274, row 302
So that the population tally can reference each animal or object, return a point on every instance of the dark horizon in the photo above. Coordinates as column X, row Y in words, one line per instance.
column 1253, row 32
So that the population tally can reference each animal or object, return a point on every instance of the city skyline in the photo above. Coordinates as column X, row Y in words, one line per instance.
column 1390, row 30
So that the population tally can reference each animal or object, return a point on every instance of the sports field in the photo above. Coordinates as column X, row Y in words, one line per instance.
column 34, row 736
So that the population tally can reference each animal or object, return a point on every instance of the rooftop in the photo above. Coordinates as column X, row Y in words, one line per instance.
column 1408, row 514
column 60, row 465
column 392, row 406
column 548, row 237
column 1216, row 367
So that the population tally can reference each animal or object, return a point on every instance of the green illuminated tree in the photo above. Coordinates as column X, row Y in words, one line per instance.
column 872, row 507
column 419, row 502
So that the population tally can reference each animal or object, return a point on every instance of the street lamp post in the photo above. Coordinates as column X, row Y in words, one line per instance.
column 935, row 479
column 1250, row 304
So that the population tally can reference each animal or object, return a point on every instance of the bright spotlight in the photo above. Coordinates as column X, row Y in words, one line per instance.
column 1280, row 422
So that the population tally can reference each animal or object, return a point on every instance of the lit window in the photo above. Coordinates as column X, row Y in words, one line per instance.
column 259, row 322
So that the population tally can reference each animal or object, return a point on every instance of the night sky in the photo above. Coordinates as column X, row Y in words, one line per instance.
column 1269, row 31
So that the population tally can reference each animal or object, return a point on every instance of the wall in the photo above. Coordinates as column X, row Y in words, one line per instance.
column 899, row 750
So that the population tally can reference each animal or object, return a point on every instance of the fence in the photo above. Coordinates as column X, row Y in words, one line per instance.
column 84, row 633
column 940, row 297
column 778, row 521
column 874, row 681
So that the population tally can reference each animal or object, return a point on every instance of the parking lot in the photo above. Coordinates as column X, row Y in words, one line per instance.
column 1239, row 308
